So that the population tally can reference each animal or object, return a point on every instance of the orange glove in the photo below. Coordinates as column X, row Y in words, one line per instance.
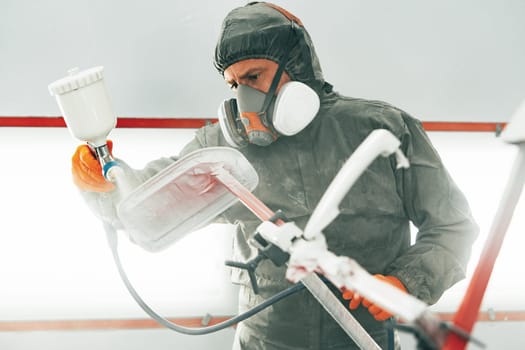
column 87, row 172
column 356, row 299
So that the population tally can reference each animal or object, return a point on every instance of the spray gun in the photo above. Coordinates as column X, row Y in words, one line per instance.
column 84, row 102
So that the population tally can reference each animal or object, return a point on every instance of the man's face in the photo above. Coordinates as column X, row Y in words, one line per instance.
column 256, row 73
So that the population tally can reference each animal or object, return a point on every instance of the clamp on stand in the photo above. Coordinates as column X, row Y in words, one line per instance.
column 266, row 250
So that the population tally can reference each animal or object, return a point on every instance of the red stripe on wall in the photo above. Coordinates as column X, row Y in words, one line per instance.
column 33, row 121
column 461, row 126
column 167, row 123
column 193, row 123
column 68, row 325
column 122, row 122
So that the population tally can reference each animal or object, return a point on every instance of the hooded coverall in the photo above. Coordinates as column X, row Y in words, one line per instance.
column 374, row 225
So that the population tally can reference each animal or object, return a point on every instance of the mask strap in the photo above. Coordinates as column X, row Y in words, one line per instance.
column 273, row 87
column 277, row 77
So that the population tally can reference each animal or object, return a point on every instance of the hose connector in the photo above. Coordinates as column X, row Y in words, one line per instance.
column 106, row 160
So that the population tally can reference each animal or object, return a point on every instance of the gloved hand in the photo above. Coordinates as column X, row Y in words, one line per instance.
column 87, row 172
column 356, row 299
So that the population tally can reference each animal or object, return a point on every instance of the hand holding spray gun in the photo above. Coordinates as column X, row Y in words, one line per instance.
column 86, row 108
column 87, row 172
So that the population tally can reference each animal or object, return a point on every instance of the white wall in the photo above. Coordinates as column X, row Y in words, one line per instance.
column 158, row 339
column 439, row 60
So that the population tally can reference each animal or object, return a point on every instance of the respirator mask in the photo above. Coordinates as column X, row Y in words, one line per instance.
column 260, row 118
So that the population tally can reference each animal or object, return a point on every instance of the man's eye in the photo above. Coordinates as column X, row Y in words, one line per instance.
column 253, row 77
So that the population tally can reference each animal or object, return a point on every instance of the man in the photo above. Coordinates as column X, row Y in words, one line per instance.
column 261, row 48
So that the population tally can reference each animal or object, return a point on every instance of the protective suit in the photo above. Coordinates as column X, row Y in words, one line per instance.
column 294, row 172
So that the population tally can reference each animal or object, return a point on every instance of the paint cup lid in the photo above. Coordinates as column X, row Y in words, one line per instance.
column 75, row 80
